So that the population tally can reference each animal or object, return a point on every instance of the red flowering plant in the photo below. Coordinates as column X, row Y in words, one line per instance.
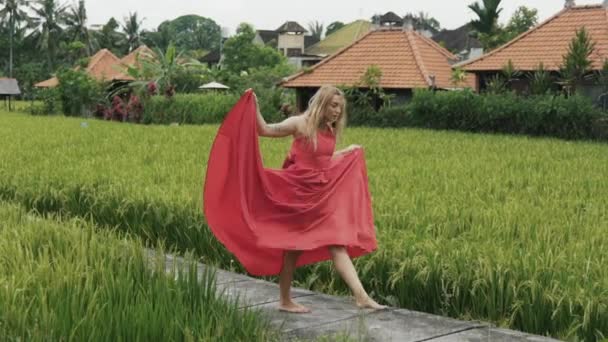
column 135, row 109
column 119, row 112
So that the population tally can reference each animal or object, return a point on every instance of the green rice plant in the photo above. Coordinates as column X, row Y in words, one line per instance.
column 499, row 228
column 67, row 280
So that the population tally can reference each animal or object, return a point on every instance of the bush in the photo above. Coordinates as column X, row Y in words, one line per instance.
column 547, row 115
column 397, row 116
column 206, row 108
column 48, row 102
column 188, row 108
column 78, row 92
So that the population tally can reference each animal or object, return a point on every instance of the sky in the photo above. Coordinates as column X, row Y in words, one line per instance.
column 269, row 15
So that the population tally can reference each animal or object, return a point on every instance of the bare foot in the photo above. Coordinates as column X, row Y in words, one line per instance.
column 368, row 303
column 293, row 307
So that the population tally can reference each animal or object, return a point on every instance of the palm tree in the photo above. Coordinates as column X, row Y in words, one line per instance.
column 12, row 10
column 488, row 15
column 423, row 21
column 316, row 29
column 76, row 20
column 132, row 28
column 159, row 70
column 47, row 29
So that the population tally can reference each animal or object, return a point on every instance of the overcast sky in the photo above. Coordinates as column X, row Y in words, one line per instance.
column 271, row 14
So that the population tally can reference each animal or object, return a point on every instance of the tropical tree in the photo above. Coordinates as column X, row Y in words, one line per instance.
column 132, row 28
column 521, row 21
column 577, row 63
column 13, row 10
column 110, row 38
column 48, row 31
column 422, row 21
column 316, row 29
column 76, row 21
column 194, row 32
column 161, row 37
column 487, row 13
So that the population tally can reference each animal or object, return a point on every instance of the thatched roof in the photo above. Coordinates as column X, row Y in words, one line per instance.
column 391, row 17
column 291, row 26
column 103, row 66
column 9, row 87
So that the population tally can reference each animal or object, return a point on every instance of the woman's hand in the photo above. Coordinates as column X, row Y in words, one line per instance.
column 347, row 150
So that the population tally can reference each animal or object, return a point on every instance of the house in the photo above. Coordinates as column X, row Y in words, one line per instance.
column 407, row 59
column 546, row 43
column 267, row 37
column 460, row 41
column 291, row 39
column 103, row 66
column 9, row 87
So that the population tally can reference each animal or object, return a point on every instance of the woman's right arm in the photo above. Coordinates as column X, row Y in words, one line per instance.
column 285, row 128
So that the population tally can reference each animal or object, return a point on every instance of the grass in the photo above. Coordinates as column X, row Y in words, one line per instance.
column 507, row 229
column 66, row 280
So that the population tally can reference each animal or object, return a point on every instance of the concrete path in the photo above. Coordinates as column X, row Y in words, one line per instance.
column 338, row 316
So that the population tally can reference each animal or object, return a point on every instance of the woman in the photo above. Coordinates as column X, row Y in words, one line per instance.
column 316, row 208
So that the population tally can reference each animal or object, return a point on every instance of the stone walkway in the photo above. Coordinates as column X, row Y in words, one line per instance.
column 337, row 315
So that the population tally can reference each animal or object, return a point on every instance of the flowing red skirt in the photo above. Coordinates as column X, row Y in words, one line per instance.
column 314, row 202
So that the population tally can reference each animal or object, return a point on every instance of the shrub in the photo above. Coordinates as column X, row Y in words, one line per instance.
column 77, row 92
column 550, row 115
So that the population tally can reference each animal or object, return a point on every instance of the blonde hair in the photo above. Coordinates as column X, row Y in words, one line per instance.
column 317, row 107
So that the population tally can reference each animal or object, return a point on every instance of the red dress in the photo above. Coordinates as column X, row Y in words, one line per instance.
column 314, row 202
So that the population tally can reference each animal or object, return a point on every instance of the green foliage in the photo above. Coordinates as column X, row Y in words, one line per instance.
column 132, row 28
column 576, row 62
column 29, row 74
column 547, row 115
column 458, row 77
column 48, row 102
column 367, row 94
column 423, row 21
column 241, row 54
column 487, row 12
column 316, row 29
column 540, row 80
column 521, row 21
column 78, row 92
column 188, row 108
column 75, row 279
column 601, row 79
column 193, row 32
column 110, row 38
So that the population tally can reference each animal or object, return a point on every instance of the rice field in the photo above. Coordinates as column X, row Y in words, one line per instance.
column 511, row 230
column 64, row 280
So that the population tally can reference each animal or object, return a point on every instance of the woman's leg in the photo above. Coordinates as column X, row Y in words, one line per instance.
column 346, row 269
column 289, row 265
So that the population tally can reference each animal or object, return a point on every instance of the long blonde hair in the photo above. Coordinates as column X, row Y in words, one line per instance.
column 317, row 107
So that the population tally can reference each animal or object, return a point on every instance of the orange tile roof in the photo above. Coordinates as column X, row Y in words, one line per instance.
column 103, row 66
column 406, row 58
column 549, row 41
